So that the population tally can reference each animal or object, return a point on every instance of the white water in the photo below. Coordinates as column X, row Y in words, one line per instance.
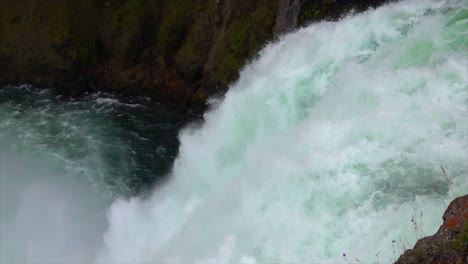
column 328, row 144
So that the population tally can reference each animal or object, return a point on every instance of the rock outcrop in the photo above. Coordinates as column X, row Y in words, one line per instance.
column 176, row 51
column 286, row 20
column 449, row 244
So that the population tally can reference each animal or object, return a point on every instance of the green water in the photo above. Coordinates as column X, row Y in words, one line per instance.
column 121, row 147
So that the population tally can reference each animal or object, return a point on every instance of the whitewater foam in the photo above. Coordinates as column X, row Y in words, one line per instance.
column 329, row 143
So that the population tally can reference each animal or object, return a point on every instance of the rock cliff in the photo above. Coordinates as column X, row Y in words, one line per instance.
column 176, row 51
column 449, row 245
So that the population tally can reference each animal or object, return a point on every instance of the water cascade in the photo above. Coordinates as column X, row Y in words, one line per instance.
column 330, row 143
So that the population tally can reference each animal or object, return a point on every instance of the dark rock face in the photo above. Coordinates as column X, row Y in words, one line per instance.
column 317, row 10
column 175, row 51
column 288, row 10
column 293, row 13
column 449, row 244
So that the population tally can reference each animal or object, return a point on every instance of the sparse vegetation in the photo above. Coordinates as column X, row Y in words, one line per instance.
column 460, row 242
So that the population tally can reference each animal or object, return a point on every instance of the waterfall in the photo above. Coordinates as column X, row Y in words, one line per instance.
column 330, row 143
column 327, row 149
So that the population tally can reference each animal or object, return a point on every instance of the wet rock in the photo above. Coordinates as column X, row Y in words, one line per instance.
column 318, row 10
column 286, row 20
column 449, row 244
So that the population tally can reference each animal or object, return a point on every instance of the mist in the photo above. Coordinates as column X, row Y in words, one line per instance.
column 46, row 216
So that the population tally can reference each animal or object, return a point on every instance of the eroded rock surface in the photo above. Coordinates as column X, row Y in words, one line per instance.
column 449, row 244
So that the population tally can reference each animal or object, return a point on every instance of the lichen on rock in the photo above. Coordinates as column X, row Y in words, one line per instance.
column 449, row 244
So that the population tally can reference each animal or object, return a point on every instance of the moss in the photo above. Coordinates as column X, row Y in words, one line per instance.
column 122, row 29
column 238, row 36
column 189, row 60
column 263, row 20
column 329, row 9
column 71, row 35
column 245, row 37
column 310, row 13
column 174, row 26
column 48, row 34
column 238, row 39
column 461, row 241
column 147, row 56
column 230, row 68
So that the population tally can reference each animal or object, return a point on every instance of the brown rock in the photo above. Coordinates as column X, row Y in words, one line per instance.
column 456, row 214
column 449, row 244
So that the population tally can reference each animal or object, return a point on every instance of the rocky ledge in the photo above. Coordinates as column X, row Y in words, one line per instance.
column 449, row 245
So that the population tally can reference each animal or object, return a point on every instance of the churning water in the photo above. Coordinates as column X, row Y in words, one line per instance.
column 331, row 142
column 52, row 151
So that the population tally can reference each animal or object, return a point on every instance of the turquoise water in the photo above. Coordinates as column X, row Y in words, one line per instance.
column 330, row 142
column 121, row 147
column 62, row 162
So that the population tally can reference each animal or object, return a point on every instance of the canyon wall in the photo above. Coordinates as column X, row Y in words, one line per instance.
column 176, row 51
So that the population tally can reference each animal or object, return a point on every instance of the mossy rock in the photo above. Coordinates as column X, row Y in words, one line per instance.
column 174, row 26
column 9, row 25
column 245, row 37
column 189, row 60
column 72, row 34
column 123, row 30
column 238, row 36
column 311, row 12
column 56, row 34
column 460, row 242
